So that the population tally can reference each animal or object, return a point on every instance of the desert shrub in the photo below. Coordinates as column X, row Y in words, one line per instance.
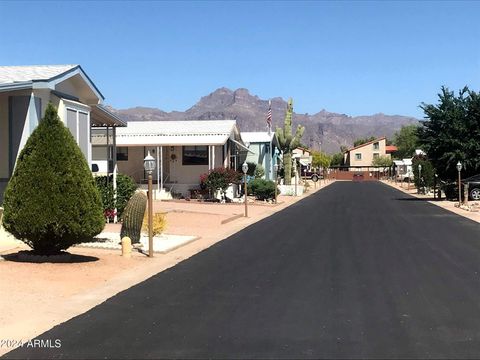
column 262, row 189
column 51, row 201
column 126, row 186
column 159, row 223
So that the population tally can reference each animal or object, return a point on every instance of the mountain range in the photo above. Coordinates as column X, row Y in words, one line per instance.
column 324, row 130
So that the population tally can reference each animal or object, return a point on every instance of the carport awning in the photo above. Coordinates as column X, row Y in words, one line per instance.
column 100, row 116
column 242, row 146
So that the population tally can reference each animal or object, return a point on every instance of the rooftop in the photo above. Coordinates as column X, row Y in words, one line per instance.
column 257, row 137
column 14, row 74
column 365, row 144
column 188, row 132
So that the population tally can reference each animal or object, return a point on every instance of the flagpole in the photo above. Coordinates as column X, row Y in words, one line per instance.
column 269, row 117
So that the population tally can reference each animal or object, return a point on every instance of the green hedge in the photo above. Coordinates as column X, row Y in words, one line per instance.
column 126, row 186
column 262, row 189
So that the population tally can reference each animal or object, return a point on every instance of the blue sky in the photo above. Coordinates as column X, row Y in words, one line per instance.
column 356, row 58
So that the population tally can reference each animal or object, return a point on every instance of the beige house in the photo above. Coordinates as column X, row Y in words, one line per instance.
column 25, row 92
column 362, row 156
column 184, row 150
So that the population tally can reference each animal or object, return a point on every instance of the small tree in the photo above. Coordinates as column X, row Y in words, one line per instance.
column 321, row 160
column 51, row 201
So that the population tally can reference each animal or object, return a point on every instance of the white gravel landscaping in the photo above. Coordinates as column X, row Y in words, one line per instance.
column 161, row 244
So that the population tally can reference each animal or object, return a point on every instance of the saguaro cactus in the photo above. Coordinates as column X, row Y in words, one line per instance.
column 133, row 217
column 288, row 141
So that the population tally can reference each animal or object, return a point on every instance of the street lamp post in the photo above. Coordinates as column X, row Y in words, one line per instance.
column 275, row 167
column 149, row 166
column 245, row 169
column 459, row 168
column 419, row 177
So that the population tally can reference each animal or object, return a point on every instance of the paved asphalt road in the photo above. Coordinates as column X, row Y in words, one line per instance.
column 356, row 270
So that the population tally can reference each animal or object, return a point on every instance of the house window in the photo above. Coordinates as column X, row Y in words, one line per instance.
column 122, row 153
column 358, row 156
column 195, row 155
column 376, row 146
column 79, row 125
column 376, row 155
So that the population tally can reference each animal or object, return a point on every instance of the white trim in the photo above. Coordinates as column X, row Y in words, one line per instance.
column 213, row 157
column 158, row 168
column 161, row 167
column 76, row 105
column 89, row 150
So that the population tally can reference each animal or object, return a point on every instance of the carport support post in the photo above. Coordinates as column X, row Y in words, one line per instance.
column 160, row 165
column 158, row 172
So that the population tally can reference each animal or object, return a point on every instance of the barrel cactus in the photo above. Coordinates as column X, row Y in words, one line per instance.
column 132, row 217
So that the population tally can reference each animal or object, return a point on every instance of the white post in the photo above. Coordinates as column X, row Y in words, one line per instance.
column 160, row 165
column 115, row 219
column 213, row 157
column 209, row 157
column 158, row 171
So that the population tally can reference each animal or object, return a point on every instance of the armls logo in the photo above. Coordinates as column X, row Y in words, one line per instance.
column 48, row 343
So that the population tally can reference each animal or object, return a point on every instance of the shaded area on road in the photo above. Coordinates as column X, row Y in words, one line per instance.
column 347, row 272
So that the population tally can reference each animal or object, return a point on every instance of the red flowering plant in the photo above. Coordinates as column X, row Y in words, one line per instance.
column 109, row 214
column 203, row 179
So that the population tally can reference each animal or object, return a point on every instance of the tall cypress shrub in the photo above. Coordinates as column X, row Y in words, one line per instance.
column 51, row 201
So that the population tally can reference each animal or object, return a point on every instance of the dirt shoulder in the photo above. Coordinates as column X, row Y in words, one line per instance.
column 36, row 297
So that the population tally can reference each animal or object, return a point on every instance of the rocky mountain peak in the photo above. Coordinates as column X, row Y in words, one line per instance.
column 324, row 130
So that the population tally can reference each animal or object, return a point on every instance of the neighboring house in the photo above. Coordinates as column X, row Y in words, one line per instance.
column 403, row 169
column 304, row 158
column 264, row 150
column 184, row 150
column 25, row 92
column 362, row 156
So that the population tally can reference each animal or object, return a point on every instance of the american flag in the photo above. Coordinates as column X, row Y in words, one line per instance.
column 269, row 115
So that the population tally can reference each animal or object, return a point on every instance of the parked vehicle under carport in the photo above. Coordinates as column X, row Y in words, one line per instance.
column 473, row 187
column 451, row 189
